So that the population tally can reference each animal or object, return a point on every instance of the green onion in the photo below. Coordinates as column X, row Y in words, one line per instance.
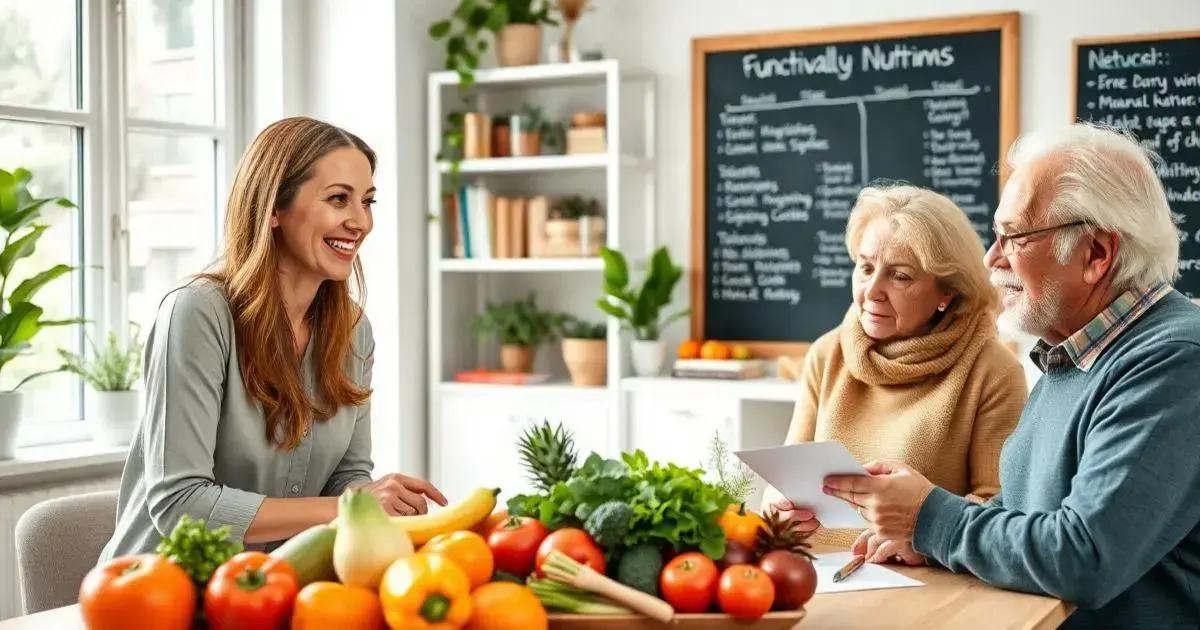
column 567, row 598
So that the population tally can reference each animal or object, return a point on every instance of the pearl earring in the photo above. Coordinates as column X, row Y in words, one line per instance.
column 942, row 307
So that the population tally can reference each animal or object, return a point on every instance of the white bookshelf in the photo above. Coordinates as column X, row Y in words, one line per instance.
column 472, row 422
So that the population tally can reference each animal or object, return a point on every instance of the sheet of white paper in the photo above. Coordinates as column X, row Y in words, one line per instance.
column 867, row 578
column 798, row 472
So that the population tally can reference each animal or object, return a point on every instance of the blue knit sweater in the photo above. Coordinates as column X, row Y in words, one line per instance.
column 1100, row 485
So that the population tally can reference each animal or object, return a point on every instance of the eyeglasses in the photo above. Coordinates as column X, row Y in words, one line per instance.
column 1006, row 240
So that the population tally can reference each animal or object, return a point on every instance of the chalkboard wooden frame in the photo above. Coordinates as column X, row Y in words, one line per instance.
column 1116, row 39
column 1008, row 23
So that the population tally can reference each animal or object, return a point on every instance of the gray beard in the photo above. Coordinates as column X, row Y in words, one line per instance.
column 1033, row 318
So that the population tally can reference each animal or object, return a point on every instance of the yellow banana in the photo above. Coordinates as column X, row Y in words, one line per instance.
column 456, row 517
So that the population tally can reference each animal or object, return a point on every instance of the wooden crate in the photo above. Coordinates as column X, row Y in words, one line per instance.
column 771, row 621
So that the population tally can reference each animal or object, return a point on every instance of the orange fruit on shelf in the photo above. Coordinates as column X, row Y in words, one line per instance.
column 466, row 549
column 714, row 350
column 689, row 349
column 741, row 352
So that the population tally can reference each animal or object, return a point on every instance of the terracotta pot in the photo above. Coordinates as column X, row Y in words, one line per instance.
column 527, row 143
column 518, row 44
column 517, row 359
column 587, row 361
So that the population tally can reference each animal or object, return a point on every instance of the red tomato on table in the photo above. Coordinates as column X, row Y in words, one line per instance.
column 515, row 543
column 251, row 590
column 575, row 544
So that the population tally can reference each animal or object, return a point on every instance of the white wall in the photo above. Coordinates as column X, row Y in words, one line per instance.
column 361, row 65
column 656, row 35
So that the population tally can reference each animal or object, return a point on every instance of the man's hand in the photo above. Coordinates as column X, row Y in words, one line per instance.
column 889, row 497
column 401, row 495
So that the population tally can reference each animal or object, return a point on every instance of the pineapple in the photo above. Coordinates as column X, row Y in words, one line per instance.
column 547, row 454
column 778, row 532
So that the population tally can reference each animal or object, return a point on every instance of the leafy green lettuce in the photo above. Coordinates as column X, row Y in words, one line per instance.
column 672, row 505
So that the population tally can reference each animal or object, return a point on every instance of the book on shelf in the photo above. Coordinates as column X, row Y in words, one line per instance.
column 717, row 368
column 496, row 377
column 450, row 219
column 504, row 228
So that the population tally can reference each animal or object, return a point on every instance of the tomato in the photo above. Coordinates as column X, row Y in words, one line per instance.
column 794, row 577
column 322, row 605
column 745, row 592
column 251, row 590
column 515, row 543
column 148, row 588
column 466, row 549
column 689, row 582
column 741, row 525
column 576, row 544
column 506, row 606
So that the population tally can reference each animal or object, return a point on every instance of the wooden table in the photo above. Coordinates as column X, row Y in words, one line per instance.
column 947, row 600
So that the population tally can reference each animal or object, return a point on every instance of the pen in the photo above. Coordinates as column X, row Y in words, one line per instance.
column 848, row 570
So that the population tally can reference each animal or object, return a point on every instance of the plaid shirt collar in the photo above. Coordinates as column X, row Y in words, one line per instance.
column 1086, row 344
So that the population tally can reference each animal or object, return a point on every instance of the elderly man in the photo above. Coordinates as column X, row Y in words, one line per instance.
column 1100, row 482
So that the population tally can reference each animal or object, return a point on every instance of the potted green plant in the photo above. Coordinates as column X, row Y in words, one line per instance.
column 516, row 23
column 526, row 130
column 520, row 327
column 574, row 227
column 112, row 407
column 640, row 308
column 585, row 351
column 20, row 318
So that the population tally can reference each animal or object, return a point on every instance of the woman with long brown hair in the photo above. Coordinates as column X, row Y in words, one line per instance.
column 258, row 371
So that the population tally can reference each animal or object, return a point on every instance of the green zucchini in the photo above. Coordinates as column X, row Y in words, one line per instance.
column 311, row 554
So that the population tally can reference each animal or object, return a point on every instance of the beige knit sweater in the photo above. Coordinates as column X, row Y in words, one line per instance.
column 943, row 402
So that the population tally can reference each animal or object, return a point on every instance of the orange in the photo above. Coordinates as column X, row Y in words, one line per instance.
column 331, row 605
column 714, row 350
column 689, row 349
column 466, row 549
column 506, row 606
column 741, row 352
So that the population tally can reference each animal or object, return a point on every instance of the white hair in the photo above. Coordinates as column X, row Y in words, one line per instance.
column 1100, row 175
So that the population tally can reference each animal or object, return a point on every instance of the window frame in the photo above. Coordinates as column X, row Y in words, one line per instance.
column 102, row 129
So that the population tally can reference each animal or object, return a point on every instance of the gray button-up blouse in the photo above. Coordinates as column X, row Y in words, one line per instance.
column 201, row 447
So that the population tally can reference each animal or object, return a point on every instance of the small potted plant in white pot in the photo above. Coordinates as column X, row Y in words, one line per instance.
column 112, row 407
column 640, row 308
column 20, row 318
column 520, row 327
column 585, row 351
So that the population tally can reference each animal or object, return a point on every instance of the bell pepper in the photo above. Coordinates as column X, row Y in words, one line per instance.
column 425, row 592
column 251, row 590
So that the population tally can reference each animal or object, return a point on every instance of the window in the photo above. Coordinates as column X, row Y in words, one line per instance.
column 147, row 163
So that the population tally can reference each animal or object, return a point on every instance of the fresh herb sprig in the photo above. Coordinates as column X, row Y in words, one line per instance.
column 196, row 549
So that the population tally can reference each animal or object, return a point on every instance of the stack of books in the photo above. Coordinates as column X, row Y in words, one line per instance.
column 484, row 225
column 715, row 368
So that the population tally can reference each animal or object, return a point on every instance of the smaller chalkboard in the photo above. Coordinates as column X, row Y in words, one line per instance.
column 1150, row 86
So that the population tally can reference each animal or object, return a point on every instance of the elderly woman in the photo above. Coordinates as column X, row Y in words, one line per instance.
column 914, row 372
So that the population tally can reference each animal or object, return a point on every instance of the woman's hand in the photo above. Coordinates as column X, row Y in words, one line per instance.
column 880, row 551
column 401, row 495
column 774, row 501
